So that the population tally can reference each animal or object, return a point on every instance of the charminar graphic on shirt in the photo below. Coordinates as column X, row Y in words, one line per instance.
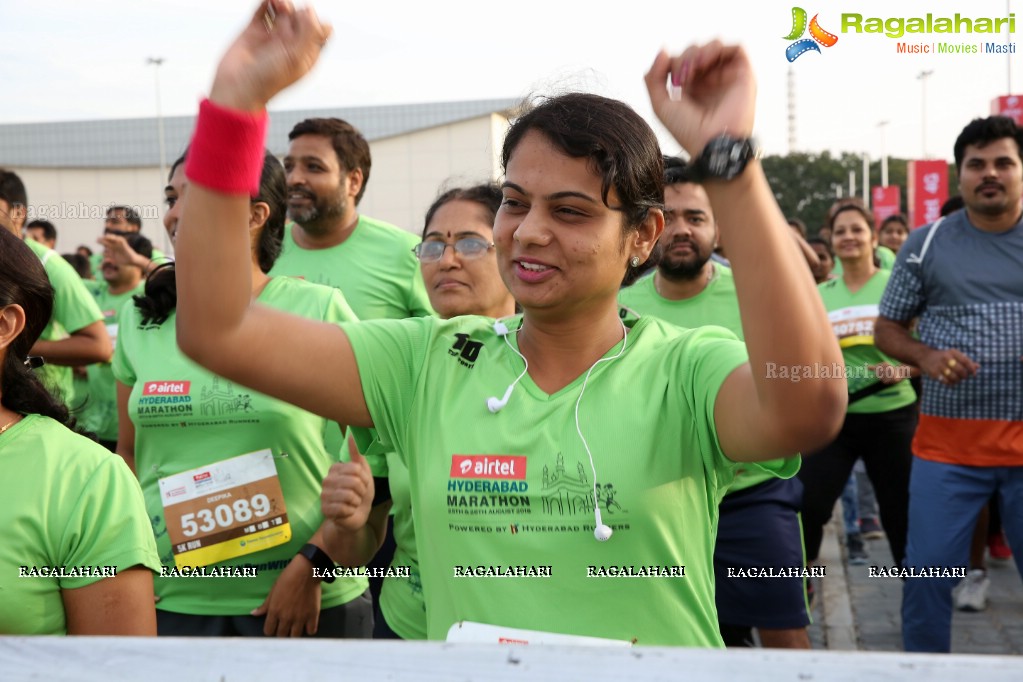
column 517, row 487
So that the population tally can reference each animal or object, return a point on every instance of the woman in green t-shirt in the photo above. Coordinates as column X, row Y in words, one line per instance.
column 460, row 273
column 180, row 423
column 553, row 453
column 882, row 416
column 77, row 555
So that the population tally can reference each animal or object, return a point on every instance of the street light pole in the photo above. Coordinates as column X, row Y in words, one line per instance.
column 157, row 62
column 884, row 155
column 922, row 77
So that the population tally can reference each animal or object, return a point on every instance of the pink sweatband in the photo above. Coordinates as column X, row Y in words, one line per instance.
column 226, row 153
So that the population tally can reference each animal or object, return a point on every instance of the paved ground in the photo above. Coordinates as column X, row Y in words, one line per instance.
column 855, row 612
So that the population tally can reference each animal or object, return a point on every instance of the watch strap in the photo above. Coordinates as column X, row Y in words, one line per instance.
column 320, row 560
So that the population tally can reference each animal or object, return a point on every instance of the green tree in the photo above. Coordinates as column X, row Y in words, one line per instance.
column 805, row 185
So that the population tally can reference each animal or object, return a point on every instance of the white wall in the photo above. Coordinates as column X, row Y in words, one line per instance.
column 76, row 200
column 407, row 172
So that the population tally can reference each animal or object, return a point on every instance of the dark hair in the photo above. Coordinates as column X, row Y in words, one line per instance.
column 851, row 206
column 895, row 218
column 12, row 189
column 953, row 204
column 823, row 242
column 23, row 281
column 80, row 263
column 980, row 131
column 83, row 247
column 621, row 148
column 350, row 146
column 49, row 231
column 139, row 244
column 161, row 292
column 131, row 216
column 798, row 224
column 488, row 196
column 677, row 171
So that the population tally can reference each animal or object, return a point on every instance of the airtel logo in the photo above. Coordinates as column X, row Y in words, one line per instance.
column 488, row 466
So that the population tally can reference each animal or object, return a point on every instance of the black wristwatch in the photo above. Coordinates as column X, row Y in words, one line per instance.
column 319, row 560
column 725, row 157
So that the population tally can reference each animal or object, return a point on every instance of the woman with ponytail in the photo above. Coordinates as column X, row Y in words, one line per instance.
column 74, row 522
column 259, row 538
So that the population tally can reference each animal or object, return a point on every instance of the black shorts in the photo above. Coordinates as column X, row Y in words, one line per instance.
column 759, row 527
column 353, row 619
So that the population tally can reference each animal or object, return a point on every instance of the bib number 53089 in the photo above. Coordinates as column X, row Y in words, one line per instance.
column 224, row 515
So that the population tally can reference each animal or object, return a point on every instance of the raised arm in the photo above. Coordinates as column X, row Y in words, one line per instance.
column 783, row 319
column 85, row 346
column 307, row 363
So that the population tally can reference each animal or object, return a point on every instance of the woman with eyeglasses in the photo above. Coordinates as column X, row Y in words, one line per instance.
column 77, row 555
column 460, row 272
column 231, row 477
column 551, row 454
column 457, row 254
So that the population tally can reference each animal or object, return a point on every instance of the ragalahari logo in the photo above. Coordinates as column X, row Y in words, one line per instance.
column 817, row 35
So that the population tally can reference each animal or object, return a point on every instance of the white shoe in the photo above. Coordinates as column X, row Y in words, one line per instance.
column 971, row 593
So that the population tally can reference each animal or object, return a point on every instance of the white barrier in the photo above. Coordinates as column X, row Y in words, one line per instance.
column 109, row 659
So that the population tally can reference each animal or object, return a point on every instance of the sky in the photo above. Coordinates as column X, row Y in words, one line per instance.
column 70, row 60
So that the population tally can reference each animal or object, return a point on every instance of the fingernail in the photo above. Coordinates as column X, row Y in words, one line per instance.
column 684, row 76
column 676, row 79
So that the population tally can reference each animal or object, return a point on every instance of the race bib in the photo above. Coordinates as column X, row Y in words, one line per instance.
column 225, row 510
column 854, row 326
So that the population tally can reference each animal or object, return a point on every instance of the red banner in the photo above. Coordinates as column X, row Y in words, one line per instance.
column 1009, row 105
column 885, row 201
column 928, row 190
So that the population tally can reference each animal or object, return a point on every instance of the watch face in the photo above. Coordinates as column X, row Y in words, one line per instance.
column 726, row 157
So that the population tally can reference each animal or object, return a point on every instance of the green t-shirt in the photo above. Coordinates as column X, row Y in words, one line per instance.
column 401, row 598
column 717, row 304
column 99, row 411
column 186, row 417
column 66, row 502
column 852, row 317
column 516, row 488
column 374, row 268
column 73, row 309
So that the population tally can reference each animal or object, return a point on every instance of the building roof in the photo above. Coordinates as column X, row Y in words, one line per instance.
column 133, row 142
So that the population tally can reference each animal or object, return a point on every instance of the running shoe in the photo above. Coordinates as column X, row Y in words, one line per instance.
column 870, row 528
column 857, row 551
column 971, row 593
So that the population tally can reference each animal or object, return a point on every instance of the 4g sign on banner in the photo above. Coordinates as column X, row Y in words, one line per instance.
column 885, row 201
column 928, row 190
column 225, row 510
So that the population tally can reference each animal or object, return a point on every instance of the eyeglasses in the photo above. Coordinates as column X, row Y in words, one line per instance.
column 467, row 247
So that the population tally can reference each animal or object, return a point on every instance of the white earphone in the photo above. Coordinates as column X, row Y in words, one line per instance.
column 494, row 404
column 602, row 531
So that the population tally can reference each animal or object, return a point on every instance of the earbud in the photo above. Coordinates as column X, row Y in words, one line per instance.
column 601, row 532
column 495, row 405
